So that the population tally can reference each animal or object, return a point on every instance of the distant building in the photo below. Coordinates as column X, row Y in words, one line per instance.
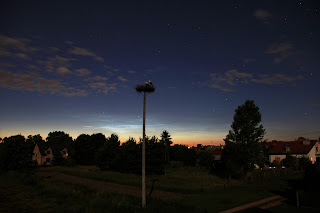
column 308, row 148
column 42, row 153
column 217, row 153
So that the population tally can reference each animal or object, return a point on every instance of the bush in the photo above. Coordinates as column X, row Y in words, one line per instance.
column 276, row 164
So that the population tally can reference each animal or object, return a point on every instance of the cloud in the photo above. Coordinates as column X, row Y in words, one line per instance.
column 85, row 52
column 63, row 71
column 32, row 82
column 97, row 78
column 98, row 85
column 53, row 63
column 20, row 44
column 83, row 72
column 276, row 79
column 281, row 51
column 232, row 78
column 131, row 71
column 122, row 78
column 103, row 87
column 32, row 67
column 263, row 15
column 225, row 81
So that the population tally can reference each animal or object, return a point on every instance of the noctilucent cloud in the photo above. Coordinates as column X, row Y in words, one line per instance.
column 73, row 66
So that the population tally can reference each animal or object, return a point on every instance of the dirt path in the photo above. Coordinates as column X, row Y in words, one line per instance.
column 257, row 203
column 111, row 187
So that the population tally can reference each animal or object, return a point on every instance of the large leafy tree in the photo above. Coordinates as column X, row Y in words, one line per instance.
column 166, row 140
column 84, row 151
column 244, row 146
column 16, row 154
column 58, row 140
column 107, row 153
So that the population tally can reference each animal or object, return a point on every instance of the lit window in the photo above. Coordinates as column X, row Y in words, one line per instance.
column 277, row 159
column 311, row 159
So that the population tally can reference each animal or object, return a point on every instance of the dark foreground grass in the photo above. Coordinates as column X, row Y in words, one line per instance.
column 187, row 180
column 22, row 193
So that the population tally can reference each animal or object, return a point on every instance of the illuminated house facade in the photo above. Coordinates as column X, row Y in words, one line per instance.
column 280, row 150
column 44, row 156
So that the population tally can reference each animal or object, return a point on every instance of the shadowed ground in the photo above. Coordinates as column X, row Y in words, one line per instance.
column 111, row 187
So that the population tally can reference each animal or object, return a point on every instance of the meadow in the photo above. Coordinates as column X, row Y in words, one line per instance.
column 203, row 192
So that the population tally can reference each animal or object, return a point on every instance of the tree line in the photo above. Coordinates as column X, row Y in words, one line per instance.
column 245, row 148
column 105, row 152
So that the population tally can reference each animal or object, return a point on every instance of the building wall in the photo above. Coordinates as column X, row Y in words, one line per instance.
column 37, row 155
column 311, row 155
column 49, row 156
column 64, row 153
column 273, row 157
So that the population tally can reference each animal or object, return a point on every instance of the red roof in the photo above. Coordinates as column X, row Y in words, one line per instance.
column 292, row 147
column 217, row 151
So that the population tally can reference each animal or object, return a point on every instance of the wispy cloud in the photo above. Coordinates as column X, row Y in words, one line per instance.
column 263, row 15
column 82, row 72
column 97, row 78
column 84, row 52
column 33, row 82
column 121, row 78
column 63, row 71
column 276, row 79
column 232, row 78
column 281, row 51
column 103, row 87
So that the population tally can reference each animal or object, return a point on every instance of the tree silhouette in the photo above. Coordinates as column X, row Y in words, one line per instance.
column 243, row 148
column 166, row 140
column 145, row 89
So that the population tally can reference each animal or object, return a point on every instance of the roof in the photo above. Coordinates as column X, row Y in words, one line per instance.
column 217, row 151
column 292, row 147
column 42, row 148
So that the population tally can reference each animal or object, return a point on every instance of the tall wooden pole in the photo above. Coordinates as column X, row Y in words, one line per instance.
column 144, row 153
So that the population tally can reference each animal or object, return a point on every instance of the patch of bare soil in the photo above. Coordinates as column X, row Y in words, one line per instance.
column 110, row 187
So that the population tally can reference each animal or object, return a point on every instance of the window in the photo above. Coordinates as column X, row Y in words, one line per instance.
column 277, row 159
column 317, row 149
column 64, row 152
column 47, row 159
column 48, row 152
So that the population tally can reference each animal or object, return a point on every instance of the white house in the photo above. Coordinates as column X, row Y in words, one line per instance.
column 280, row 150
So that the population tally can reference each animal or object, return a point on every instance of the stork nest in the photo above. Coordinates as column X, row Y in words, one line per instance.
column 145, row 88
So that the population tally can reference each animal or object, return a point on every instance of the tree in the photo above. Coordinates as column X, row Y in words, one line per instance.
column 145, row 89
column 243, row 146
column 58, row 140
column 84, row 152
column 107, row 154
column 129, row 157
column 15, row 154
column 166, row 141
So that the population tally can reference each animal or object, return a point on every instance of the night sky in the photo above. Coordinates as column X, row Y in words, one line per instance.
column 73, row 66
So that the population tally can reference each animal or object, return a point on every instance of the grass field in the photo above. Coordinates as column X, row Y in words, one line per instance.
column 21, row 193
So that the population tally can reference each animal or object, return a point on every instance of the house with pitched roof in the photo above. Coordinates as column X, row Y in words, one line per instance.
column 280, row 150
column 42, row 153
column 217, row 153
